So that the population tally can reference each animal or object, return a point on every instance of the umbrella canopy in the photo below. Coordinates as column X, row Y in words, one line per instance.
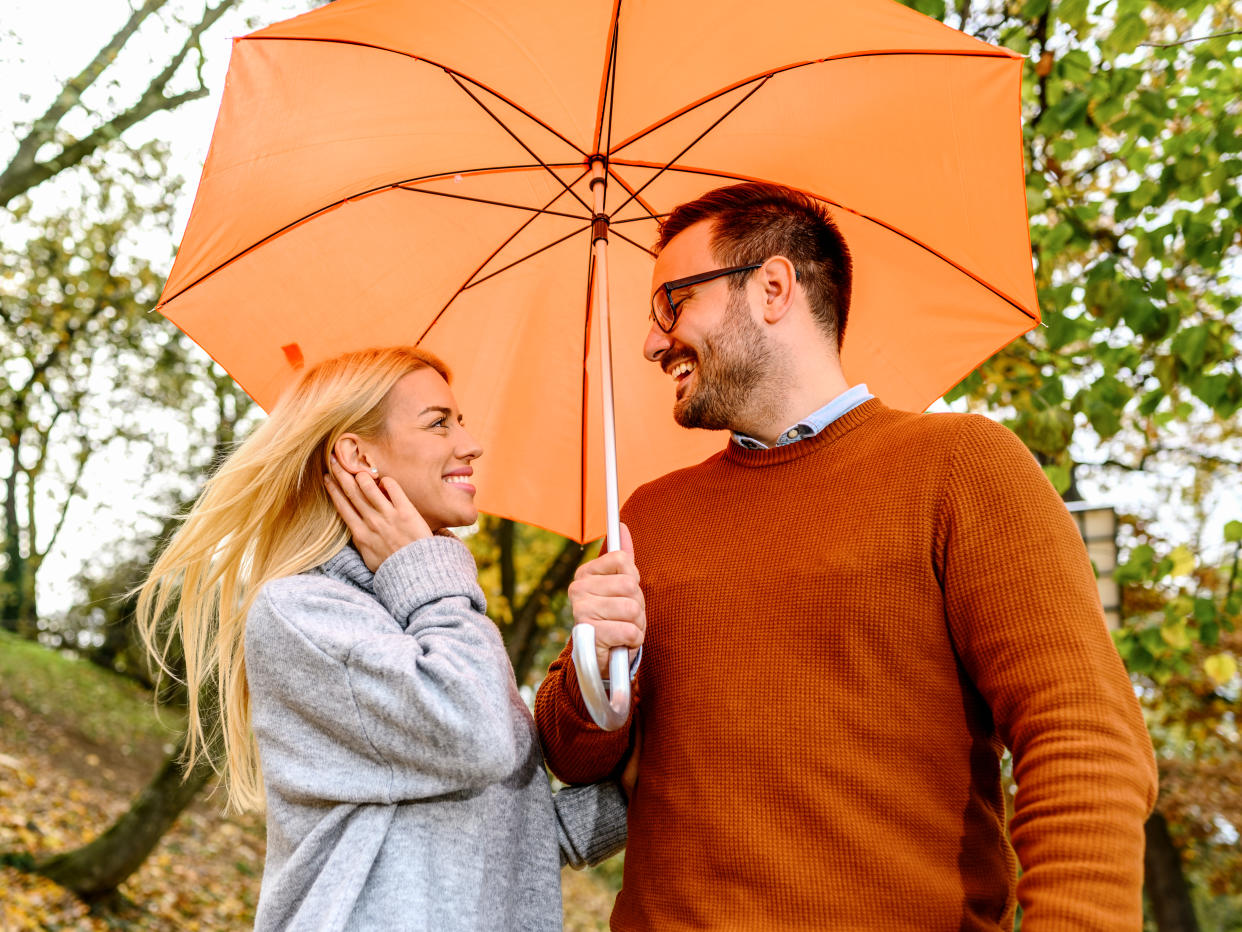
column 387, row 172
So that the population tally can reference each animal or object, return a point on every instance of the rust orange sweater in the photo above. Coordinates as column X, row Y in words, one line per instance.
column 842, row 633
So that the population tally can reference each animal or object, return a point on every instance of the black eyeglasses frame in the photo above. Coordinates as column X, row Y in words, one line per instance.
column 669, row 287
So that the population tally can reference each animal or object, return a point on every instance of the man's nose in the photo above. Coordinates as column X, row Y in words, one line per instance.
column 656, row 344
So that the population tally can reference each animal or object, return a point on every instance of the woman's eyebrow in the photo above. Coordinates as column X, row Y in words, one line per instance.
column 436, row 408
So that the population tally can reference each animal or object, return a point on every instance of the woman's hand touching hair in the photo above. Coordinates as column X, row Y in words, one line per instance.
column 380, row 518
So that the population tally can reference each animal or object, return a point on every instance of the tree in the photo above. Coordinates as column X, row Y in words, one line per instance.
column 81, row 358
column 1134, row 183
column 525, row 572
column 30, row 166
column 99, row 867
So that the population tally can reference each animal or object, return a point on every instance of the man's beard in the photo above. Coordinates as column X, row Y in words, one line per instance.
column 733, row 373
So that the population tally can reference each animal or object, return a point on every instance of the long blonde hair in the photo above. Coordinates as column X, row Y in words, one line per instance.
column 263, row 515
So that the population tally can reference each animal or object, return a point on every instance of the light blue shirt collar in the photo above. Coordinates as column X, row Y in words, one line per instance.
column 814, row 422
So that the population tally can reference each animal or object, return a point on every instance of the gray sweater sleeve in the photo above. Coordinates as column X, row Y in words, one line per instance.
column 590, row 823
column 417, row 696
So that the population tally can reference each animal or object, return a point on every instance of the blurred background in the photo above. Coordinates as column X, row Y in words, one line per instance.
column 110, row 419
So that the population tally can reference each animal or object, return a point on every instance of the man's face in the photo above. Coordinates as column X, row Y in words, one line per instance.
column 716, row 354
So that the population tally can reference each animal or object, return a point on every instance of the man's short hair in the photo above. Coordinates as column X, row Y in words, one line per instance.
column 755, row 221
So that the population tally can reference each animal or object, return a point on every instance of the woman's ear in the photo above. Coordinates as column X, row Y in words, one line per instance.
column 351, row 452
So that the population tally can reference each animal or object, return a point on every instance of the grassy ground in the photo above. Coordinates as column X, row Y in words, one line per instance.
column 76, row 743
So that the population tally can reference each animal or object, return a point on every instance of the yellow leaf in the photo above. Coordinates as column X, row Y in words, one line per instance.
column 1183, row 561
column 1220, row 667
column 1175, row 635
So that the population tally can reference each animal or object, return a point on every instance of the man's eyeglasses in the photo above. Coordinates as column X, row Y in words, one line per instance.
column 664, row 310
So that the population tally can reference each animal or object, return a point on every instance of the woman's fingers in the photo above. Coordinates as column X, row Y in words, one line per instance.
column 344, row 507
column 372, row 495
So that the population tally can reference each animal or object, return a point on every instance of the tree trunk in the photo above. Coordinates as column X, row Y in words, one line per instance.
column 525, row 635
column 10, row 580
column 1165, row 882
column 98, row 868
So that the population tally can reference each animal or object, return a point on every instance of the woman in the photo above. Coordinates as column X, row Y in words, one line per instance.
column 317, row 592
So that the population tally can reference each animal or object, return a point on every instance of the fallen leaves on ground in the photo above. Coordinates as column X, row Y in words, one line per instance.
column 59, row 789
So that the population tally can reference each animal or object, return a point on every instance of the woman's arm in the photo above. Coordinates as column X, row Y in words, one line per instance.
column 402, row 696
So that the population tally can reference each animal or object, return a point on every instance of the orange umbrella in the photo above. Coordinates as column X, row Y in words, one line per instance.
column 450, row 174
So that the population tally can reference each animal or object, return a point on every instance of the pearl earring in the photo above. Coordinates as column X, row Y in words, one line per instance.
column 374, row 471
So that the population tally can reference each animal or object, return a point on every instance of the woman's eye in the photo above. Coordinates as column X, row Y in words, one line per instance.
column 440, row 422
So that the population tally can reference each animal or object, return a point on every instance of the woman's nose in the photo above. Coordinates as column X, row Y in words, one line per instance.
column 469, row 448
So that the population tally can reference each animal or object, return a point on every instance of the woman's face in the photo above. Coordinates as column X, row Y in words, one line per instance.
column 428, row 450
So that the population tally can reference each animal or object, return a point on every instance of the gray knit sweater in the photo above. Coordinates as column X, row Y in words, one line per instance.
column 405, row 785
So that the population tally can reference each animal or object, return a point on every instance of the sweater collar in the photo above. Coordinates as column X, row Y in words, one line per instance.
column 785, row 453
column 348, row 566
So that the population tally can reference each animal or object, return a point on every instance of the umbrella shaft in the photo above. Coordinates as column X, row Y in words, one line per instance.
column 599, row 249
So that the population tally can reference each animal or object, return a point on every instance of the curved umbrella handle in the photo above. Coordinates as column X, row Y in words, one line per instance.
column 608, row 713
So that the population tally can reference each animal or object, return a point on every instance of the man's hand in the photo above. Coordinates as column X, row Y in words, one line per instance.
column 380, row 518
column 606, row 596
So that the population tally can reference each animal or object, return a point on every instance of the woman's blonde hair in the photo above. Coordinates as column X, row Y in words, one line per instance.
column 263, row 515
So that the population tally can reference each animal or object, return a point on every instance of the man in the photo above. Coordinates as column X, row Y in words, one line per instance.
column 847, row 612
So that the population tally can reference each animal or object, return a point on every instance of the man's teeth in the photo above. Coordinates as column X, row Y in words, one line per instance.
column 682, row 368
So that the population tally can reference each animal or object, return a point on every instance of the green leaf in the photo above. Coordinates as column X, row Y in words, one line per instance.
column 1233, row 532
column 1175, row 635
column 1128, row 33
column 1190, row 345
column 1059, row 476
column 1183, row 561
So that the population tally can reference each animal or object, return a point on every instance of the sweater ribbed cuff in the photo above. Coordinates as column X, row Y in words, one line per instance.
column 424, row 571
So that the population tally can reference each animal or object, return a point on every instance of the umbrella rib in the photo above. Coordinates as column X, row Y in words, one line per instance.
column 642, row 202
column 483, row 200
column 495, row 252
column 857, row 213
column 792, row 67
column 631, row 242
column 501, row 123
column 426, row 61
column 530, row 255
column 656, row 217
column 337, row 203
column 609, row 76
column 693, row 143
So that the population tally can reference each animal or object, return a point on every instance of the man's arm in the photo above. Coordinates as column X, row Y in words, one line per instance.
column 1025, row 615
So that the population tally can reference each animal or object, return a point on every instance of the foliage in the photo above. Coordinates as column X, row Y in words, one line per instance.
column 524, row 572
column 1133, row 136
column 80, row 356
column 1182, row 641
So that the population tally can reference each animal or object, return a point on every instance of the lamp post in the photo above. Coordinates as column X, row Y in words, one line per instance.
column 1098, row 526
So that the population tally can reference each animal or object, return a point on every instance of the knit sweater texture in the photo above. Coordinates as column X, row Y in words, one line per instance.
column 405, row 785
column 842, row 636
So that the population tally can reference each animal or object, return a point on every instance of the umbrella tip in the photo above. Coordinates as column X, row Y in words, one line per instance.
column 293, row 353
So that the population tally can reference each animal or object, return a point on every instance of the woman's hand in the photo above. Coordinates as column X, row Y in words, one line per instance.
column 380, row 518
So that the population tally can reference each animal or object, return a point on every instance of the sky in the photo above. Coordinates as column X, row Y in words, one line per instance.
column 44, row 41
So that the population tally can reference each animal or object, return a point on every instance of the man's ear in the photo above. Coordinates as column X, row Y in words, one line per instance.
column 778, row 277
column 350, row 451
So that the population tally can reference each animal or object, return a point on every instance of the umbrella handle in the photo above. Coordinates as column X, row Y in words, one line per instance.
column 609, row 713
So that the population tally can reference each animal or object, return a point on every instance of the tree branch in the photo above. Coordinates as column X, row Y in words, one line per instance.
column 84, row 455
column 44, row 128
column 1169, row 45
column 23, row 172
